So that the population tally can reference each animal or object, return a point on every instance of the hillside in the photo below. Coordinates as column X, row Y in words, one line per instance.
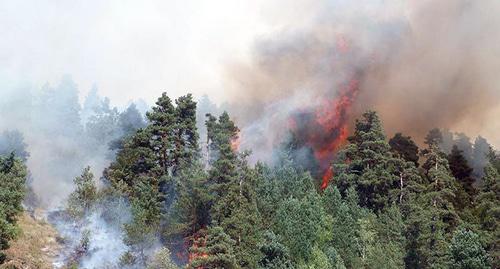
column 36, row 246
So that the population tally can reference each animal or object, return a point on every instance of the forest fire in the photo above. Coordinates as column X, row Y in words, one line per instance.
column 325, row 129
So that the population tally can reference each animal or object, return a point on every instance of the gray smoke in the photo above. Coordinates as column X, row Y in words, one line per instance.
column 420, row 64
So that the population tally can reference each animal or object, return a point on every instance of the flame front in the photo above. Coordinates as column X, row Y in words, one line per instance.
column 326, row 130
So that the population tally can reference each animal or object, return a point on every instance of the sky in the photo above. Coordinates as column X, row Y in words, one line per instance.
column 136, row 49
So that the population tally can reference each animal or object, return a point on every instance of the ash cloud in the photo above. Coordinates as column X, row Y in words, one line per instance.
column 422, row 64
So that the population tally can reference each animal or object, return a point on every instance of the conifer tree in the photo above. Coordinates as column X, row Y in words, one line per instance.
column 404, row 147
column 303, row 225
column 467, row 252
column 233, row 185
column 84, row 195
column 488, row 211
column 274, row 254
column 436, row 212
column 463, row 174
column 368, row 165
column 186, row 140
column 162, row 132
column 214, row 250
column 12, row 190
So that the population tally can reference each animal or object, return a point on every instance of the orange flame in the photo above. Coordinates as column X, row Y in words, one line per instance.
column 326, row 130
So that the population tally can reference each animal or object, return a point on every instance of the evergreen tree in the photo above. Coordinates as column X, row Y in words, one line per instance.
column 279, row 183
column 233, row 185
column 162, row 132
column 84, row 195
column 404, row 147
column 463, row 174
column 186, row 140
column 274, row 254
column 488, row 211
column 214, row 250
column 467, row 252
column 140, row 233
column 12, row 190
column 463, row 143
column 130, row 120
column 303, row 225
column 191, row 210
column 434, row 137
column 480, row 156
column 438, row 214
column 346, row 231
column 368, row 165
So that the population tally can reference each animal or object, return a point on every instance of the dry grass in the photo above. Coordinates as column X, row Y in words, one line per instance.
column 36, row 246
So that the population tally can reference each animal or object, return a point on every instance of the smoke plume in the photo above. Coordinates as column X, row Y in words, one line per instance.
column 420, row 64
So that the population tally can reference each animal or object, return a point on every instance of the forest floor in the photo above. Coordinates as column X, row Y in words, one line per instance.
column 36, row 246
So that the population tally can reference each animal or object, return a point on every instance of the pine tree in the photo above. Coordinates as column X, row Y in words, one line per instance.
column 367, row 164
column 437, row 214
column 467, row 252
column 186, row 139
column 279, row 183
column 480, row 156
column 233, row 185
column 274, row 254
column 84, row 195
column 162, row 132
column 303, row 225
column 463, row 174
column 488, row 211
column 404, row 147
column 140, row 233
column 434, row 137
column 191, row 210
column 215, row 250
column 346, row 228
column 12, row 190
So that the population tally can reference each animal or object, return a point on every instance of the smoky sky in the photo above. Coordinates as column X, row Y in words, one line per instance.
column 422, row 64
column 268, row 55
column 130, row 49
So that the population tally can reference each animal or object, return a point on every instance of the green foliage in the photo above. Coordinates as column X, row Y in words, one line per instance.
column 303, row 225
column 12, row 190
column 214, row 249
column 191, row 211
column 84, row 195
column 488, row 211
column 368, row 165
column 274, row 185
column 466, row 251
column 463, row 174
column 434, row 137
column 232, row 185
column 274, row 254
column 380, row 212
column 404, row 147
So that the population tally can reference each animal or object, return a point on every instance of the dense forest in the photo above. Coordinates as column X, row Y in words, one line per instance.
column 177, row 192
